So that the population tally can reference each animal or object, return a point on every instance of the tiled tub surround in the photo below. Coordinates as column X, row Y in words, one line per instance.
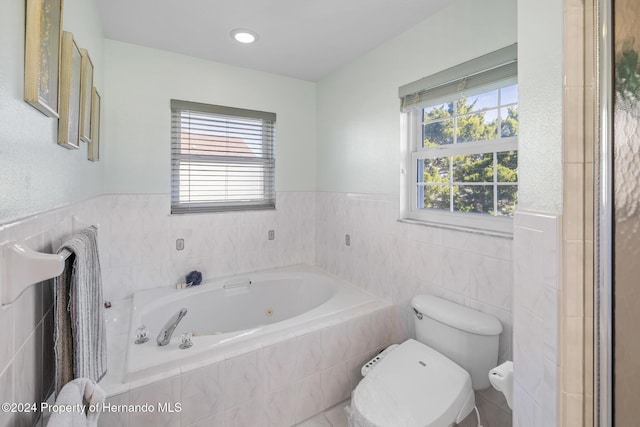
column 139, row 237
column 137, row 251
column 282, row 380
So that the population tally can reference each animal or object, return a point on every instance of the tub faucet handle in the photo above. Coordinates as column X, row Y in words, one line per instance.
column 165, row 333
column 142, row 335
column 185, row 340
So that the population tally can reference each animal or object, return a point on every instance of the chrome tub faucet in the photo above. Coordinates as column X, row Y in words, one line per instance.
column 165, row 333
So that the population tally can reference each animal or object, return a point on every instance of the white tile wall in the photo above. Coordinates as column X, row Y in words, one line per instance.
column 335, row 341
column 535, row 328
column 393, row 260
column 114, row 418
column 249, row 414
column 139, row 241
column 336, row 384
column 214, row 421
column 528, row 350
column 397, row 260
column 6, row 335
column 26, row 338
column 6, row 395
column 203, row 393
column 245, row 378
column 309, row 397
column 279, row 407
column 161, row 392
column 310, row 354
column 526, row 411
column 279, row 365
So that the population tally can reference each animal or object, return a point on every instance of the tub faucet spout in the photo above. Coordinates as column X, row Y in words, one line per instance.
column 165, row 333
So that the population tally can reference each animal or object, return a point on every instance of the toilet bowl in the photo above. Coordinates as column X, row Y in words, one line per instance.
column 413, row 386
column 429, row 382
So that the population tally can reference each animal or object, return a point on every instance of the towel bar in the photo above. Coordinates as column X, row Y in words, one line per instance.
column 22, row 266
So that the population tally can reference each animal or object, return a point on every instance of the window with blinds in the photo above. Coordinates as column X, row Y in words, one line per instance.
column 222, row 158
column 461, row 163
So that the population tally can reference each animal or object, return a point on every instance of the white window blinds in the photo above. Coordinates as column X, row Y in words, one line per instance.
column 222, row 158
column 491, row 71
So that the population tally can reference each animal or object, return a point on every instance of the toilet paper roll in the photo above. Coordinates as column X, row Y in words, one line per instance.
column 501, row 378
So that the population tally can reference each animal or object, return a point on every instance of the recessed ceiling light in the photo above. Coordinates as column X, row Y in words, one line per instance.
column 244, row 36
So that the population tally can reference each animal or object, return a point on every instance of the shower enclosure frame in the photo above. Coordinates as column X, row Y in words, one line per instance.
column 604, row 223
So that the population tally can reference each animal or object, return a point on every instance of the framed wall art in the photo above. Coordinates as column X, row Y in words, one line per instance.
column 42, row 54
column 70, row 76
column 93, row 153
column 86, row 93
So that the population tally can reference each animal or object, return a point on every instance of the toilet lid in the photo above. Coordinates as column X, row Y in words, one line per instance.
column 413, row 386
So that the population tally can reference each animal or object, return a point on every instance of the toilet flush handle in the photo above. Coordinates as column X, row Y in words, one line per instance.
column 418, row 314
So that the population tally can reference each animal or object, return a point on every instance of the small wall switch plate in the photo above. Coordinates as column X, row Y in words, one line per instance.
column 179, row 244
column 347, row 240
column 272, row 234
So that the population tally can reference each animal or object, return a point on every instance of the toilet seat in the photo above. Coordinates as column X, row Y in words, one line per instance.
column 413, row 386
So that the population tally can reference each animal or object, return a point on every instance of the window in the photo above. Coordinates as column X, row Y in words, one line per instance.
column 462, row 134
column 222, row 158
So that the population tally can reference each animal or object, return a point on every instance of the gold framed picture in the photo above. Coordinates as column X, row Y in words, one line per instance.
column 70, row 76
column 93, row 152
column 42, row 54
column 86, row 93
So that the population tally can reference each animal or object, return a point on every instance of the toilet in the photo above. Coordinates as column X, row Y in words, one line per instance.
column 429, row 382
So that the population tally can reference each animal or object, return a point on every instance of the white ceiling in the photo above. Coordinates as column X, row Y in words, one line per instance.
column 305, row 39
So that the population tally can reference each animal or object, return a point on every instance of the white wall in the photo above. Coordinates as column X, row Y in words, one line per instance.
column 140, row 82
column 37, row 174
column 358, row 106
column 540, row 49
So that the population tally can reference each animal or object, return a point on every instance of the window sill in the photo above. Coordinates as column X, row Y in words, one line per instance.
column 505, row 230
column 208, row 209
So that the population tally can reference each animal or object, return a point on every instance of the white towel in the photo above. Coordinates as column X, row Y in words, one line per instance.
column 80, row 298
column 84, row 398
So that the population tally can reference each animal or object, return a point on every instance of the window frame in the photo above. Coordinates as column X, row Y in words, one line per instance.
column 267, row 160
column 412, row 119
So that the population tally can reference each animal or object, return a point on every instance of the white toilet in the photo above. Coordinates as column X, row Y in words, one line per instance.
column 430, row 382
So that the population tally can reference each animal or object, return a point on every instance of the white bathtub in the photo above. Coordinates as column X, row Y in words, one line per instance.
column 276, row 304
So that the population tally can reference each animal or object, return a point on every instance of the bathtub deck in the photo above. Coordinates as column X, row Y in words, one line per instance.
column 287, row 379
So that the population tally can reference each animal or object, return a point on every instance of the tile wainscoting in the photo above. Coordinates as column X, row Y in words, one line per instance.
column 26, row 335
column 138, row 251
column 139, row 241
column 535, row 333
column 397, row 261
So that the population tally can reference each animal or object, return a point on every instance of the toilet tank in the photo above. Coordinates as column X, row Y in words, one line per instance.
column 466, row 336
